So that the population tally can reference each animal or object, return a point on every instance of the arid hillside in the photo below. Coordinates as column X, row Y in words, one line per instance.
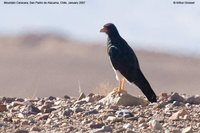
column 46, row 64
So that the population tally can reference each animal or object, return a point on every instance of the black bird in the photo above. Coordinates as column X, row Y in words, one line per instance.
column 125, row 63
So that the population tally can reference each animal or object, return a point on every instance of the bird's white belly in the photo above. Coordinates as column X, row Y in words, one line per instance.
column 119, row 76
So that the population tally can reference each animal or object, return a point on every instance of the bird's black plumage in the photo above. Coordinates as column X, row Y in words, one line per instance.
column 125, row 61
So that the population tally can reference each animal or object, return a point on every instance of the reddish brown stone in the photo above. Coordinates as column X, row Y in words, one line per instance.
column 2, row 108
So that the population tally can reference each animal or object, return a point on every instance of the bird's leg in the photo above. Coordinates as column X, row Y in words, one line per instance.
column 122, row 85
column 120, row 89
column 117, row 89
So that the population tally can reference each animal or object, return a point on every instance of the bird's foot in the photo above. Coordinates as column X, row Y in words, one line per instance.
column 117, row 91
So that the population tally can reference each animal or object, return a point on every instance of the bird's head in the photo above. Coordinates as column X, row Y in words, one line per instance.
column 110, row 29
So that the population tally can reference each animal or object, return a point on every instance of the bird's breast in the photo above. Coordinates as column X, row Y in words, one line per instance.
column 119, row 76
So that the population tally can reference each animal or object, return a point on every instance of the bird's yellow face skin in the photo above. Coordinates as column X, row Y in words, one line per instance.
column 104, row 29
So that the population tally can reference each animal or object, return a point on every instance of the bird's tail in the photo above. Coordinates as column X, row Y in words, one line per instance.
column 145, row 87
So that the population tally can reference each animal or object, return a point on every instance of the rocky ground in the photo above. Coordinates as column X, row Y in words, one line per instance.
column 174, row 113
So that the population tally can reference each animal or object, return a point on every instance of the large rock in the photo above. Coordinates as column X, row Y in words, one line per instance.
column 176, row 97
column 193, row 99
column 123, row 98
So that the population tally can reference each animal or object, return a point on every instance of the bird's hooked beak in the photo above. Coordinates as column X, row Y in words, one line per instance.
column 104, row 29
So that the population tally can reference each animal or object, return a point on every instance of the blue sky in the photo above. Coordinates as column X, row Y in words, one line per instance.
column 149, row 24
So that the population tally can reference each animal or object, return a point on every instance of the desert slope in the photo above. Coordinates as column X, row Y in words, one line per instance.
column 43, row 65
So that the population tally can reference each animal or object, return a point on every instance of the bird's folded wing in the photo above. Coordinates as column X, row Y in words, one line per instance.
column 115, row 56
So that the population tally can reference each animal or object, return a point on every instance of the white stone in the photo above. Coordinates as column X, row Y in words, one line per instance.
column 128, row 126
column 187, row 130
column 113, row 119
column 154, row 124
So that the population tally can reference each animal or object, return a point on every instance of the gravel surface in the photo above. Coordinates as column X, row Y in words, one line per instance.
column 174, row 113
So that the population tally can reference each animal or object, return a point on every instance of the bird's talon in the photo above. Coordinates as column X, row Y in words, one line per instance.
column 115, row 92
column 118, row 91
